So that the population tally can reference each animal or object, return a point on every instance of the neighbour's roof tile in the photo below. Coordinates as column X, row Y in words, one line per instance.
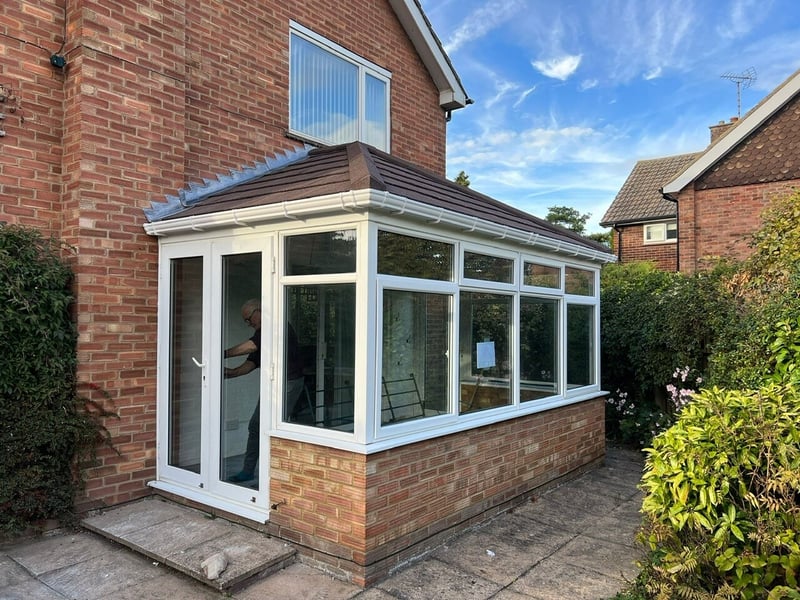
column 640, row 198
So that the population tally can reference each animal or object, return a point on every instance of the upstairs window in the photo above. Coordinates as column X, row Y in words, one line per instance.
column 659, row 233
column 335, row 96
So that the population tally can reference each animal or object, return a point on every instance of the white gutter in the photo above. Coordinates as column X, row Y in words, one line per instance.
column 369, row 199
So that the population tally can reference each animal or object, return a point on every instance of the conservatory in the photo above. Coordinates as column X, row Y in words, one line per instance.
column 427, row 355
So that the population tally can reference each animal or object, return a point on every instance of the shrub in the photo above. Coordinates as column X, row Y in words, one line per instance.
column 678, row 321
column 722, row 500
column 45, row 429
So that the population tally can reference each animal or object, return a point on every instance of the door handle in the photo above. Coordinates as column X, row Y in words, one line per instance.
column 199, row 364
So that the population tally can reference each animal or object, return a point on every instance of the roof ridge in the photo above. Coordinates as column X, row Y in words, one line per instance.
column 364, row 173
column 195, row 192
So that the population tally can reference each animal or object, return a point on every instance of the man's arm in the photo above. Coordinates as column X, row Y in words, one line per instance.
column 246, row 347
column 243, row 369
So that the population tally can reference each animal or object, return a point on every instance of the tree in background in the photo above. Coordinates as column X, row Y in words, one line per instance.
column 462, row 179
column 568, row 218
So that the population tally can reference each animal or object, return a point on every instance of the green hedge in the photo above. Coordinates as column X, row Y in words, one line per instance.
column 45, row 428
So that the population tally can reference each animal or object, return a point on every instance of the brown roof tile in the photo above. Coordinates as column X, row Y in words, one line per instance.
column 639, row 199
column 356, row 166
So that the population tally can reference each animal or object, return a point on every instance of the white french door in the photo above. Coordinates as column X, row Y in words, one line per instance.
column 204, row 419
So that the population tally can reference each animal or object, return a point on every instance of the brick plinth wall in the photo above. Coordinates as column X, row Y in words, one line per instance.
column 361, row 516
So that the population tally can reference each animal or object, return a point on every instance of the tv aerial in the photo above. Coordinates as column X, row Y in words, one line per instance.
column 742, row 81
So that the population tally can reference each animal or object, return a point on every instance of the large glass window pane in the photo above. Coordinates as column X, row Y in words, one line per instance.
column 414, row 257
column 240, row 414
column 319, row 355
column 323, row 97
column 415, row 369
column 485, row 350
column 542, row 275
column 375, row 114
column 321, row 253
column 538, row 324
column 580, row 345
column 488, row 268
column 578, row 281
column 185, row 378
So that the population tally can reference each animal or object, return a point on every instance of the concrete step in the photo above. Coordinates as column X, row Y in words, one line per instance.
column 182, row 538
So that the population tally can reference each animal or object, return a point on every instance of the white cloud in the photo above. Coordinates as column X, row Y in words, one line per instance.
column 588, row 84
column 522, row 97
column 653, row 73
column 482, row 21
column 560, row 68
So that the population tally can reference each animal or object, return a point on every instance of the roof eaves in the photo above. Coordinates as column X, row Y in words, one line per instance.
column 751, row 121
column 638, row 220
column 452, row 94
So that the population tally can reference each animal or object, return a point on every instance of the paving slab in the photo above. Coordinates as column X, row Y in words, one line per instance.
column 433, row 578
column 29, row 590
column 300, row 582
column 182, row 538
column 54, row 552
column 101, row 577
column 553, row 579
column 504, row 549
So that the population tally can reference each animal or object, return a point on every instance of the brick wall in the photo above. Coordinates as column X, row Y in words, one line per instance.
column 155, row 94
column 718, row 222
column 630, row 245
column 31, row 152
column 363, row 515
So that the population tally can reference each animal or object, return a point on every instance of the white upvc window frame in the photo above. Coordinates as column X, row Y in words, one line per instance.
column 365, row 69
column 662, row 230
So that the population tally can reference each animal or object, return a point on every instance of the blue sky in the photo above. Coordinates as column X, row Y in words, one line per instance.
column 569, row 94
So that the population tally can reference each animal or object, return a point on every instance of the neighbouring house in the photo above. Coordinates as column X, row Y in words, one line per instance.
column 429, row 356
column 645, row 224
column 717, row 195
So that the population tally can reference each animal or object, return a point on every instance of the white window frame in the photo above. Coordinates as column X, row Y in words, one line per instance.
column 662, row 229
column 365, row 68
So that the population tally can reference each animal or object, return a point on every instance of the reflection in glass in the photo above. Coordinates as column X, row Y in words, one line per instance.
column 408, row 256
column 321, row 253
column 538, row 323
column 416, row 339
column 375, row 113
column 578, row 281
column 542, row 275
column 580, row 345
column 488, row 268
column 485, row 350
column 185, row 378
column 323, row 101
column 323, row 318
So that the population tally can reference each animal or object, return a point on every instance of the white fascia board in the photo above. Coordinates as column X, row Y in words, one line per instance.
column 749, row 124
column 451, row 93
column 369, row 199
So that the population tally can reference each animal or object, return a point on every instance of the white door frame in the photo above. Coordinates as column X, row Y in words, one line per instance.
column 206, row 487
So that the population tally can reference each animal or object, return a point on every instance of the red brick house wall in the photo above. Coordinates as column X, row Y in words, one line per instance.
column 156, row 94
column 629, row 247
column 721, row 208
column 364, row 515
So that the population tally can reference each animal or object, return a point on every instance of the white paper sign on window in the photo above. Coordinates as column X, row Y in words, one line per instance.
column 485, row 351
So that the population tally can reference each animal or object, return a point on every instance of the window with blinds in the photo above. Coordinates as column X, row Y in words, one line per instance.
column 335, row 96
